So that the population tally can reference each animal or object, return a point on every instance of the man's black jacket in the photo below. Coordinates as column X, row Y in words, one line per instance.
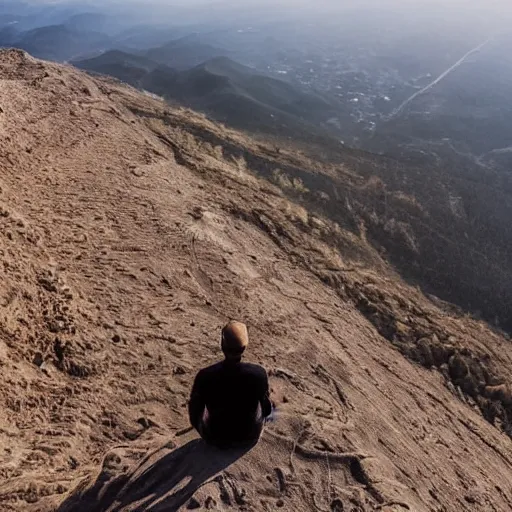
column 232, row 393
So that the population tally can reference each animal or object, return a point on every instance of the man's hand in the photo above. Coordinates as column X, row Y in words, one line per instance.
column 273, row 415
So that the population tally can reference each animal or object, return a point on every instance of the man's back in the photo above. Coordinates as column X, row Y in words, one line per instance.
column 234, row 394
column 230, row 400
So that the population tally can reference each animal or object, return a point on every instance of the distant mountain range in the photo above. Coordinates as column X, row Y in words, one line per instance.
column 184, row 69
column 185, row 53
column 85, row 35
column 55, row 42
column 230, row 92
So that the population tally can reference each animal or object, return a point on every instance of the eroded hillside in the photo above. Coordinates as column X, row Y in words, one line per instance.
column 443, row 220
column 130, row 232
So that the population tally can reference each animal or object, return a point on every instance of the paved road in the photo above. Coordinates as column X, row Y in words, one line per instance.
column 400, row 109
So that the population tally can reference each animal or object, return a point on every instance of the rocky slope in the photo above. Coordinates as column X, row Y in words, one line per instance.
column 443, row 220
column 130, row 232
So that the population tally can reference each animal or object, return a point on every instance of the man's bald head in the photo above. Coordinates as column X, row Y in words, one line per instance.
column 235, row 339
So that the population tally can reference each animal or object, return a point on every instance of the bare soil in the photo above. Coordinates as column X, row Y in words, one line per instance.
column 128, row 236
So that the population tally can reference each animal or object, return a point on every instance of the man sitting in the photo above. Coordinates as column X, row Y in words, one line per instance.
column 230, row 400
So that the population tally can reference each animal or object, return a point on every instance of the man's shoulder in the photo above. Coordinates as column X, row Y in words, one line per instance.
column 212, row 369
column 255, row 369
column 220, row 367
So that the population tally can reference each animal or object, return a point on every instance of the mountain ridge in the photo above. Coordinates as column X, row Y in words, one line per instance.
column 56, row 42
column 232, row 93
column 191, row 53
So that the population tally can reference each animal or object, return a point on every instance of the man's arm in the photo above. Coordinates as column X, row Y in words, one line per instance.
column 196, row 403
column 266, row 404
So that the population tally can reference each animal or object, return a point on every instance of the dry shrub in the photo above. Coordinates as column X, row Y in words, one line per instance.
column 218, row 152
column 284, row 181
column 320, row 195
column 374, row 184
column 240, row 163
column 402, row 231
column 299, row 186
column 408, row 203
column 281, row 179
column 297, row 213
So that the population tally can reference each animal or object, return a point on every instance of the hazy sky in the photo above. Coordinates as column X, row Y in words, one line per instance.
column 458, row 12
column 480, row 5
column 462, row 7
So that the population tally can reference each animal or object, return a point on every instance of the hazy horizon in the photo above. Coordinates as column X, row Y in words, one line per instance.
column 420, row 6
column 400, row 15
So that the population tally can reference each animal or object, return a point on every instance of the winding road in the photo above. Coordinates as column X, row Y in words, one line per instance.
column 400, row 109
